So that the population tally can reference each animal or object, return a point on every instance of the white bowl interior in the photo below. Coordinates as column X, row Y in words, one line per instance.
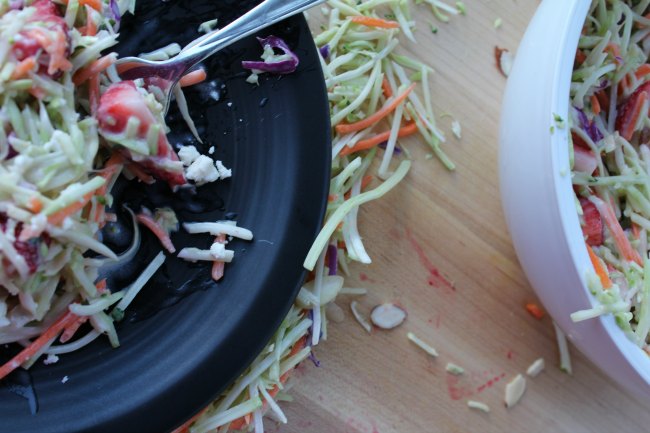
column 536, row 191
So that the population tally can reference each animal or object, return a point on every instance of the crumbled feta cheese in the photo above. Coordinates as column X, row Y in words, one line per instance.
column 202, row 170
column 211, row 150
column 51, row 359
column 65, row 379
column 224, row 172
column 219, row 252
column 188, row 154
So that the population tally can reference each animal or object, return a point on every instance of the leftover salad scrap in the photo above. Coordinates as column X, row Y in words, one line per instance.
column 69, row 127
column 610, row 132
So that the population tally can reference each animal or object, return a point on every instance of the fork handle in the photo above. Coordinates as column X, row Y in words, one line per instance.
column 263, row 15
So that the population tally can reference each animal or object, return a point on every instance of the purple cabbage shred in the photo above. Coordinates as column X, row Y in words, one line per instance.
column 332, row 258
column 115, row 10
column 324, row 51
column 285, row 63
column 396, row 150
column 589, row 127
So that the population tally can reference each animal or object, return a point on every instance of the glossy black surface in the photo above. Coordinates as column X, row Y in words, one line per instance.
column 187, row 337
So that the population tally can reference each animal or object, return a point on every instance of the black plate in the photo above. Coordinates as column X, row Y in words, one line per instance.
column 188, row 337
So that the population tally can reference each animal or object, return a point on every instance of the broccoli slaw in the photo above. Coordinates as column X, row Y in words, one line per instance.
column 611, row 160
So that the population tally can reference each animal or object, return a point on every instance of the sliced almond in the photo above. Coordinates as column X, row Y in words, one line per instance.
column 504, row 60
column 388, row 316
column 515, row 390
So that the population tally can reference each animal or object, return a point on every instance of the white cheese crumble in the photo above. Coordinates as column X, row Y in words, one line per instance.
column 224, row 172
column 51, row 359
column 202, row 170
column 188, row 154
column 211, row 150
column 65, row 379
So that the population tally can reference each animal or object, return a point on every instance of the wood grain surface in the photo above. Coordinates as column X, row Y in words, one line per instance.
column 440, row 227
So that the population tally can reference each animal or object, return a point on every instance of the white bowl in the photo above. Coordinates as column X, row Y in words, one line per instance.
column 537, row 196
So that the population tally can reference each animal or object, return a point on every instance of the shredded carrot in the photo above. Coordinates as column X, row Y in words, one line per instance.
column 384, row 111
column 94, row 68
column 332, row 197
column 374, row 22
column 157, row 230
column 93, row 93
column 35, row 205
column 29, row 351
column 138, row 172
column 636, row 231
column 603, row 99
column 373, row 141
column 614, row 227
column 601, row 271
column 535, row 310
column 23, row 68
column 627, row 129
column 91, row 25
column 72, row 329
column 218, row 266
column 580, row 57
column 385, row 87
column 192, row 78
column 642, row 71
column 185, row 428
column 595, row 105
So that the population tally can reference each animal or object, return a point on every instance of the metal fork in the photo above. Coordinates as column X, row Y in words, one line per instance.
column 168, row 72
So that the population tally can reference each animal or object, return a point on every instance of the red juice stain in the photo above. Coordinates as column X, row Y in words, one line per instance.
column 364, row 277
column 490, row 382
column 456, row 389
column 435, row 279
column 511, row 354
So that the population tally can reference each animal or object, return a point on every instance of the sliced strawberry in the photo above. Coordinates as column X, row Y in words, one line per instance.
column 47, row 33
column 629, row 111
column 593, row 227
column 122, row 101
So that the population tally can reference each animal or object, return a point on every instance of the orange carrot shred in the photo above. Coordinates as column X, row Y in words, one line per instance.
column 595, row 105
column 29, row 351
column 642, row 71
column 94, row 68
column 192, row 78
column 374, row 22
column 218, row 266
column 35, row 205
column 384, row 111
column 371, row 142
column 23, row 68
column 601, row 271
column 385, row 87
column 535, row 310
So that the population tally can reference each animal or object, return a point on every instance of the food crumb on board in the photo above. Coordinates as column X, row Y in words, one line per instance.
column 536, row 367
column 563, row 347
column 454, row 369
column 422, row 345
column 360, row 319
column 504, row 60
column 515, row 390
column 473, row 404
column 497, row 23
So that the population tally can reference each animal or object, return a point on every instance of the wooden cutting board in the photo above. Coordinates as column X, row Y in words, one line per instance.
column 440, row 247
